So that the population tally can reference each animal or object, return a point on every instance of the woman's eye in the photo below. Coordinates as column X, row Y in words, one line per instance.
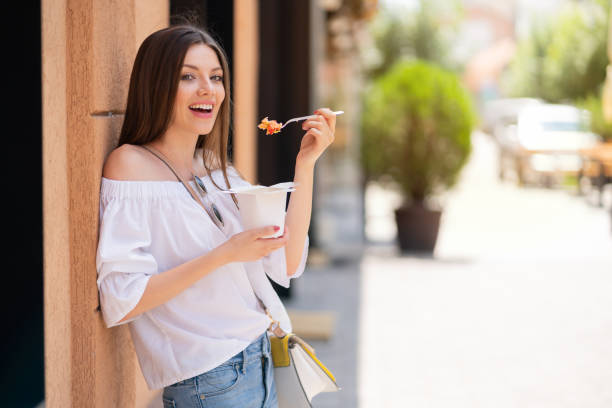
column 217, row 78
column 187, row 77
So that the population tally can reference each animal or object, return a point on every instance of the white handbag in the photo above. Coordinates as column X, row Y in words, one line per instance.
column 298, row 373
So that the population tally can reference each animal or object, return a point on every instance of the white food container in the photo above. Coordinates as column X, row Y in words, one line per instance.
column 261, row 206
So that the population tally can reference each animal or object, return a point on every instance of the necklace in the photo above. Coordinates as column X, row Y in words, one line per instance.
column 204, row 194
column 209, row 207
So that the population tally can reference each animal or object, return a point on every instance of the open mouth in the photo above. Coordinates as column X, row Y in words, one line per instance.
column 203, row 108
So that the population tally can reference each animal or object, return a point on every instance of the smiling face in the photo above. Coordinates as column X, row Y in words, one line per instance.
column 200, row 91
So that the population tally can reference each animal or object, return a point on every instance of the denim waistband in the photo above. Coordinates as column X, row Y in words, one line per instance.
column 260, row 347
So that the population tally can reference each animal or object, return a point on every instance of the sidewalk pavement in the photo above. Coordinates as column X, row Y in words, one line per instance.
column 336, row 289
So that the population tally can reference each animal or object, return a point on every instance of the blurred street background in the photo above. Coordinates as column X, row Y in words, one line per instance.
column 511, row 305
column 513, row 310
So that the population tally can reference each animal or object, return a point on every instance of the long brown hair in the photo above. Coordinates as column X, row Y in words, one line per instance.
column 153, row 87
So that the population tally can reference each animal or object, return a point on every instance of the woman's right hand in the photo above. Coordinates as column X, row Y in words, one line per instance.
column 249, row 246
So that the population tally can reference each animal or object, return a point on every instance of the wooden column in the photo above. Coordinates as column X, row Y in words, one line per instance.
column 58, row 365
column 246, row 65
column 88, row 51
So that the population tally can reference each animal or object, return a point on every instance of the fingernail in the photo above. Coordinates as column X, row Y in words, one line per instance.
column 276, row 228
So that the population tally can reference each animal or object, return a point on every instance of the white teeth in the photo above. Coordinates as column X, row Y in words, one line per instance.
column 201, row 106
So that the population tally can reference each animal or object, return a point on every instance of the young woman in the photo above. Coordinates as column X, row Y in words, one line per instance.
column 188, row 285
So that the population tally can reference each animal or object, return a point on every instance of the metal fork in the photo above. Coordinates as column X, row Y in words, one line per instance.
column 307, row 117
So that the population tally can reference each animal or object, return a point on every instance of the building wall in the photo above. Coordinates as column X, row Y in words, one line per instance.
column 87, row 52
column 338, row 214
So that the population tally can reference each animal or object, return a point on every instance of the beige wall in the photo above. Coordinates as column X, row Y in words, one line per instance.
column 88, row 47
column 246, row 62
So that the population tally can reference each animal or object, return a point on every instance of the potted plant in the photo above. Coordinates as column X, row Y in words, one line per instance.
column 416, row 124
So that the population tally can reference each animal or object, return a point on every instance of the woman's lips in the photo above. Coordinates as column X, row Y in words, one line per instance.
column 203, row 115
column 202, row 109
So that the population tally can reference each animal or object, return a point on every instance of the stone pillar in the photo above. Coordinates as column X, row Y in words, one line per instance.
column 339, row 207
column 246, row 64
column 88, row 47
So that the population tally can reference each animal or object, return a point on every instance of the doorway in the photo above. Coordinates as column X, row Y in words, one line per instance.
column 21, row 306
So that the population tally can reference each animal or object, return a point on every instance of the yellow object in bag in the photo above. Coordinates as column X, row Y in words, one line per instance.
column 299, row 375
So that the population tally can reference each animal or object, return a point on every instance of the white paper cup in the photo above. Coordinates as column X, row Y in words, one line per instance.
column 262, row 206
column 263, row 209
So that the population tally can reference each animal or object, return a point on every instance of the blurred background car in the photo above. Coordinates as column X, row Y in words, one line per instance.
column 544, row 146
column 502, row 112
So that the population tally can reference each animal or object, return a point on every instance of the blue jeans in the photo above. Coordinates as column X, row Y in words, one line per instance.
column 245, row 380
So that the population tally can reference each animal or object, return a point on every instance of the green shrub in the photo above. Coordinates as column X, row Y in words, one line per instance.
column 416, row 126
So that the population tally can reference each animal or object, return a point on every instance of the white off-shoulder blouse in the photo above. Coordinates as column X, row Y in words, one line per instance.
column 148, row 227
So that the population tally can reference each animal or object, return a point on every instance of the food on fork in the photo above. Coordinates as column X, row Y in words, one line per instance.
column 270, row 126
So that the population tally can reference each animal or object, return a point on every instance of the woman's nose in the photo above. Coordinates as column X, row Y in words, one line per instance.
column 205, row 89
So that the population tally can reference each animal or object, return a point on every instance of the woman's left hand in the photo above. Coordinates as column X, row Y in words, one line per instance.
column 319, row 135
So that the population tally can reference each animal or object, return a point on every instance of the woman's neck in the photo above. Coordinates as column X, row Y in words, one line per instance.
column 179, row 149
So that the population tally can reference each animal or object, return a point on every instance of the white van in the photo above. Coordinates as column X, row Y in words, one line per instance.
column 546, row 142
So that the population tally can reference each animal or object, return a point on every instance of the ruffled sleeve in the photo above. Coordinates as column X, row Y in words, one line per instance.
column 275, row 263
column 123, row 260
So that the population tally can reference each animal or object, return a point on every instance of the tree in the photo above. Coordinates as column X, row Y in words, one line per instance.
column 424, row 34
column 564, row 59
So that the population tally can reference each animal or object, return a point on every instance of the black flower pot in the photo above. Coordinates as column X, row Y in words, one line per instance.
column 417, row 228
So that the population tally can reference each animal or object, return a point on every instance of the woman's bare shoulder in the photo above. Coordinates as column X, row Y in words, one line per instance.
column 130, row 162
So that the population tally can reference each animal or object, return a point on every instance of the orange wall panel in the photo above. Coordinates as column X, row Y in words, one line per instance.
column 112, row 34
column 88, row 50
column 246, row 65
column 56, row 258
